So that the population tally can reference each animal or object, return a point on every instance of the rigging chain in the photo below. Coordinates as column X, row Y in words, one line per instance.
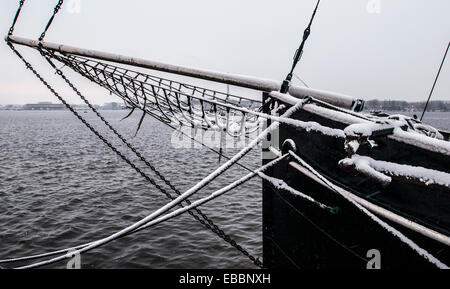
column 11, row 30
column 50, row 21
column 213, row 227
column 210, row 225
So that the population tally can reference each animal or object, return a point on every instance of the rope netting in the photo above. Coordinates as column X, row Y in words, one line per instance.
column 169, row 101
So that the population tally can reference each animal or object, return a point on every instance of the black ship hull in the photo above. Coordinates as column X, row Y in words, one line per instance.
column 300, row 234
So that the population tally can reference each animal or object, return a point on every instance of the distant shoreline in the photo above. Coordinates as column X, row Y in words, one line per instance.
column 370, row 105
column 49, row 106
column 399, row 105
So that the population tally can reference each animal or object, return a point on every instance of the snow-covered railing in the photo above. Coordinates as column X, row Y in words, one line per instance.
column 409, row 137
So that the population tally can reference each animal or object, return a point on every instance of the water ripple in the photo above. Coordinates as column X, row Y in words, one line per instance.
column 60, row 187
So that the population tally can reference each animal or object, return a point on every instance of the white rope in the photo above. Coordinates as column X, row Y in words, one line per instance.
column 38, row 256
column 189, row 192
column 89, row 246
column 422, row 252
column 281, row 185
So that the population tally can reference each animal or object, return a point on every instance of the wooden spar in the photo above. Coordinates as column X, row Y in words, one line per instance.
column 250, row 82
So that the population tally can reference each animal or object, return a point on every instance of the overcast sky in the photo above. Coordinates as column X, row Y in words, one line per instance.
column 392, row 52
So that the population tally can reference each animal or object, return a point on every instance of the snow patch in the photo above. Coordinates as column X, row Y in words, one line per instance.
column 381, row 170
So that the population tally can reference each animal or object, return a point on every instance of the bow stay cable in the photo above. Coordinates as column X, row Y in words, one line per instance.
column 435, row 80
column 50, row 21
column 298, row 52
column 11, row 30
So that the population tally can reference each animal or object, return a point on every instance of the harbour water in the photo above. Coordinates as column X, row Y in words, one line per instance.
column 60, row 187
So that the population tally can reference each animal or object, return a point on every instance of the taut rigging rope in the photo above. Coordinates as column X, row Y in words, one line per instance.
column 50, row 21
column 422, row 252
column 177, row 212
column 299, row 52
column 154, row 218
column 11, row 30
column 435, row 80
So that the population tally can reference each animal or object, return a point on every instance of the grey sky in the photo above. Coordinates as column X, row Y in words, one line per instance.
column 393, row 54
